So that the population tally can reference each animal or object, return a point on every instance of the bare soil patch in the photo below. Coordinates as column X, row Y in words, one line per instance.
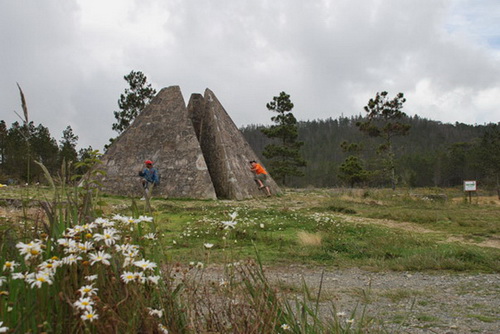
column 398, row 302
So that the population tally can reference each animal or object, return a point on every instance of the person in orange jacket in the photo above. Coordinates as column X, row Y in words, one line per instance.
column 260, row 176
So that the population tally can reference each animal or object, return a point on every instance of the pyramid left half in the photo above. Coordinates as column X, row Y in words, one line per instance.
column 164, row 134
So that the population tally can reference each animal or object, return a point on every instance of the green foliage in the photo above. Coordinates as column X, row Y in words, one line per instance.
column 133, row 101
column 284, row 153
column 352, row 171
column 22, row 145
column 68, row 145
column 489, row 154
column 429, row 155
column 383, row 121
column 24, row 148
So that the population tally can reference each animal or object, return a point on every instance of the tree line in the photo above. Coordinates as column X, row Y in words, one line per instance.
column 24, row 144
column 430, row 154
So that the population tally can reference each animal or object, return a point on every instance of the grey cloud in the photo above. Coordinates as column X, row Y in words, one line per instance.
column 330, row 56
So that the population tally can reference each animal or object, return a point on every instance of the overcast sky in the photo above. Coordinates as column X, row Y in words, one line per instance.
column 70, row 56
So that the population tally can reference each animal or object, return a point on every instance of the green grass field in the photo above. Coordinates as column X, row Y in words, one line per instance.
column 377, row 230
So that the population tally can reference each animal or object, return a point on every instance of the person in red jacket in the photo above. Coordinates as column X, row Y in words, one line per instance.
column 260, row 176
column 149, row 177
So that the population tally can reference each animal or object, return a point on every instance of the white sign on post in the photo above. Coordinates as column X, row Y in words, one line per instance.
column 470, row 186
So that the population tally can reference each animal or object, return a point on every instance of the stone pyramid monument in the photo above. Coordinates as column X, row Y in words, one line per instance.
column 199, row 151
column 164, row 134
column 226, row 151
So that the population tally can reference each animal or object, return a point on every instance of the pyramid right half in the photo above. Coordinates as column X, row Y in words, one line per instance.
column 226, row 151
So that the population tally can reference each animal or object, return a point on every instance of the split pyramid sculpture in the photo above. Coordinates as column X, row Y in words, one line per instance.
column 198, row 150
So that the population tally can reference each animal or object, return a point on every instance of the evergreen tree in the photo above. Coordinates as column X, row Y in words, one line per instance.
column 284, row 151
column 44, row 150
column 489, row 154
column 422, row 158
column 68, row 146
column 133, row 101
column 85, row 154
column 3, row 141
column 383, row 120
column 17, row 151
column 352, row 169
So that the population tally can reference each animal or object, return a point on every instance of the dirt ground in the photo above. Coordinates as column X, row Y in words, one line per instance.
column 398, row 302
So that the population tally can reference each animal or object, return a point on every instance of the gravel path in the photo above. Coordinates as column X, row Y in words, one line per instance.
column 402, row 302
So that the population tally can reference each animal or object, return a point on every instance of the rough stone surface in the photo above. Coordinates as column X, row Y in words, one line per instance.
column 226, row 151
column 164, row 134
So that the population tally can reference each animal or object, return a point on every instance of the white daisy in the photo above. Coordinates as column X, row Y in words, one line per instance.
column 154, row 279
column 228, row 224
column 146, row 219
column 71, row 259
column 128, row 276
column 84, row 303
column 100, row 256
column 3, row 329
column 154, row 312
column 150, row 236
column 10, row 265
column 40, row 278
column 88, row 290
column 89, row 315
column 285, row 327
column 110, row 236
column 145, row 264
column 91, row 278
column 29, row 250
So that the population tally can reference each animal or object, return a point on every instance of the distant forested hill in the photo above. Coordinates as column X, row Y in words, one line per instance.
column 433, row 154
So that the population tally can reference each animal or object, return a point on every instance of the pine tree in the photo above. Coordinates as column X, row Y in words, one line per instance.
column 352, row 170
column 44, row 150
column 68, row 145
column 384, row 117
column 489, row 154
column 3, row 141
column 133, row 101
column 284, row 152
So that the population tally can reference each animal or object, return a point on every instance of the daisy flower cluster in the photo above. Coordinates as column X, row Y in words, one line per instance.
column 94, row 246
column 239, row 226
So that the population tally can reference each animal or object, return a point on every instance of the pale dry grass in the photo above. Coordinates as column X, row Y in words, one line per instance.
column 489, row 200
column 309, row 239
